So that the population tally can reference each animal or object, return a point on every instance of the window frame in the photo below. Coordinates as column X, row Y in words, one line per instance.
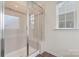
column 57, row 17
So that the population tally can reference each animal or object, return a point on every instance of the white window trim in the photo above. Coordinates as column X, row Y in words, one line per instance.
column 57, row 20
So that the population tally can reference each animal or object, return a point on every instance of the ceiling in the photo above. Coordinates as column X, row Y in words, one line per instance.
column 21, row 6
column 16, row 6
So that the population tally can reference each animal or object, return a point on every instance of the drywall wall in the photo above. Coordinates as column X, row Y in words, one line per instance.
column 58, row 42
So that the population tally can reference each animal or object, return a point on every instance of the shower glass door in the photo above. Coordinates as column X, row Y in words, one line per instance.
column 36, row 15
column 15, row 37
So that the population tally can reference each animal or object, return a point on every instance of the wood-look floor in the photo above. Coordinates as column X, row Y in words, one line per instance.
column 45, row 54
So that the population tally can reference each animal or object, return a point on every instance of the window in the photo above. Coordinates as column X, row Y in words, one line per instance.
column 66, row 15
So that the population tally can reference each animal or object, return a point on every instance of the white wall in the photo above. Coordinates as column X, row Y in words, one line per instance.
column 60, row 42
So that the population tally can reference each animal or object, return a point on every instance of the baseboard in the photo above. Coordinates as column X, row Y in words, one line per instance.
column 21, row 53
column 18, row 53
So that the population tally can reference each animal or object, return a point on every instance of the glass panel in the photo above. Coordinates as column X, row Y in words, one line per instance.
column 62, row 17
column 0, row 26
column 62, row 21
column 15, row 29
column 36, row 23
column 61, row 24
column 70, row 20
column 69, row 24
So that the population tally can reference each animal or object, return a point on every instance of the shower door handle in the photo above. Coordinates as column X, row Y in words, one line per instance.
column 2, row 47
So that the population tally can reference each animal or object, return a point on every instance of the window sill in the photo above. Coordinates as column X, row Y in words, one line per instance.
column 67, row 28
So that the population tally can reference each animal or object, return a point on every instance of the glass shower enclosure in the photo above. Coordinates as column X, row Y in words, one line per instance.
column 21, row 28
